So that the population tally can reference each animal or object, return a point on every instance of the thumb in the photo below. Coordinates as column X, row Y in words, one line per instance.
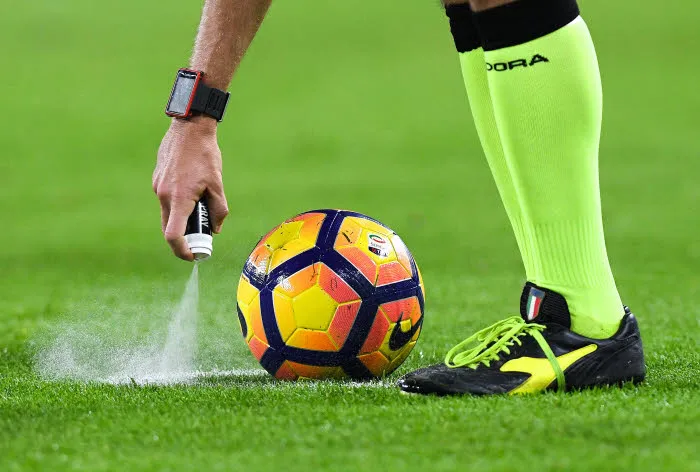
column 218, row 208
column 175, row 229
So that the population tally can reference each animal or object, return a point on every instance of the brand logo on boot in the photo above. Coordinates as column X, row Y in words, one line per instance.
column 534, row 303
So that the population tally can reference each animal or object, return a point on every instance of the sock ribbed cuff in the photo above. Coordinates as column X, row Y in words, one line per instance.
column 462, row 26
column 577, row 268
column 522, row 21
column 575, row 253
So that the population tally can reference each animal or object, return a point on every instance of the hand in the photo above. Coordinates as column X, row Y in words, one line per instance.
column 189, row 165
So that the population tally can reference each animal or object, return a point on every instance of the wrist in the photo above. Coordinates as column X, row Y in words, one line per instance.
column 197, row 123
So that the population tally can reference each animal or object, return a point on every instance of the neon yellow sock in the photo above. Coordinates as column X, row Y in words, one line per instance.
column 547, row 100
column 476, row 83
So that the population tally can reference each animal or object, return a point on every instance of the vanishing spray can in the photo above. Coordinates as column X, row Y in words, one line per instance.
column 198, row 232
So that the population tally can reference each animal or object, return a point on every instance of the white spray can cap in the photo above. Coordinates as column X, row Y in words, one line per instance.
column 200, row 244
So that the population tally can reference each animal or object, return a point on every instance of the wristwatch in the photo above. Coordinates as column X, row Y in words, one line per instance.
column 191, row 96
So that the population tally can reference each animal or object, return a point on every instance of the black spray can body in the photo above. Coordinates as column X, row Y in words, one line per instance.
column 198, row 231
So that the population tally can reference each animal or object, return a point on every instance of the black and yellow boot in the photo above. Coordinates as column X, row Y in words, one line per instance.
column 532, row 353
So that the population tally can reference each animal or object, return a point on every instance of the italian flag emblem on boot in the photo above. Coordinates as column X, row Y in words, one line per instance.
column 534, row 302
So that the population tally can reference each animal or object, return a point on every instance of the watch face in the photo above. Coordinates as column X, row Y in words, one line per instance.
column 181, row 96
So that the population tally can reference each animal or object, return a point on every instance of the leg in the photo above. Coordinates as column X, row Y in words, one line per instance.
column 536, row 101
column 473, row 65
column 546, row 93
column 539, row 124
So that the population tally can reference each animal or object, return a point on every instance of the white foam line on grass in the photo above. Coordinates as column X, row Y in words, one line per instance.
column 179, row 378
column 190, row 378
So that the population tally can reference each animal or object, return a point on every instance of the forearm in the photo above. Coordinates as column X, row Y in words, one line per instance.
column 225, row 32
column 189, row 159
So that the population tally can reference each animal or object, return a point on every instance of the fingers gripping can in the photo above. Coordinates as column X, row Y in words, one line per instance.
column 198, row 232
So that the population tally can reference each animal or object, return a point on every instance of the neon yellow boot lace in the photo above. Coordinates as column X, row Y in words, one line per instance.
column 486, row 345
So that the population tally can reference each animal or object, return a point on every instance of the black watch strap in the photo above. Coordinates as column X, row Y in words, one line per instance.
column 210, row 101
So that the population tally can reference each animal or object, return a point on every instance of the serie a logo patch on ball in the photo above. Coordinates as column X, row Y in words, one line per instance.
column 331, row 294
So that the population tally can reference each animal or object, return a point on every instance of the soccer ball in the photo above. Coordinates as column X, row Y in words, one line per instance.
column 330, row 294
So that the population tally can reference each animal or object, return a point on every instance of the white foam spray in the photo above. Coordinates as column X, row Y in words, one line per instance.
column 177, row 357
column 78, row 354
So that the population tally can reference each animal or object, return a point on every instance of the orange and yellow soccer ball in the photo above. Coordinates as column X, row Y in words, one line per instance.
column 330, row 294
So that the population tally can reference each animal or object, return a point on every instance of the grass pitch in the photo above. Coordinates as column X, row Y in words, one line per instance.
column 345, row 105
